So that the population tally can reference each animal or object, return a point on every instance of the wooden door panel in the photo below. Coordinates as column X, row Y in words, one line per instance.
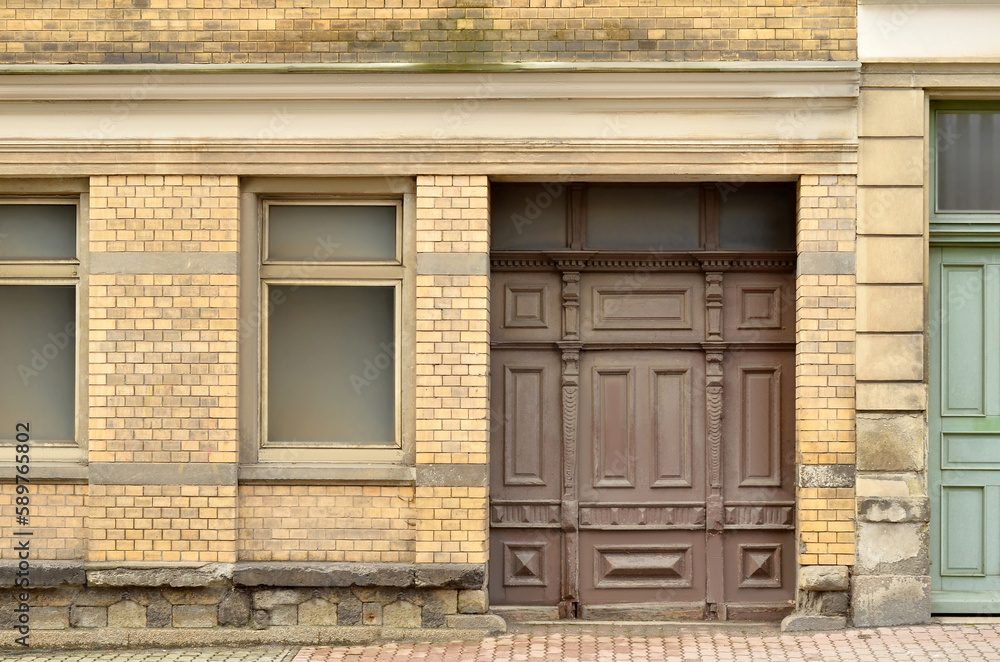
column 525, row 566
column 759, row 307
column 627, row 566
column 760, row 571
column 964, row 416
column 642, row 307
column 526, row 306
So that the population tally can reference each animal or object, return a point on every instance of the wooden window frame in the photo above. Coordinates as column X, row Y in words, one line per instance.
column 958, row 226
column 293, row 460
column 62, row 458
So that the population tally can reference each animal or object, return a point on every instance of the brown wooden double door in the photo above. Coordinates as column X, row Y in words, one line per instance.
column 643, row 438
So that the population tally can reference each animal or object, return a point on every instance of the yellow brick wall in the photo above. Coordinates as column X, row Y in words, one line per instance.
column 58, row 521
column 163, row 367
column 453, row 334
column 825, row 368
column 326, row 523
column 426, row 31
column 162, row 523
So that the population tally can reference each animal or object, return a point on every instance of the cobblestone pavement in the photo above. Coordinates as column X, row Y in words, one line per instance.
column 614, row 643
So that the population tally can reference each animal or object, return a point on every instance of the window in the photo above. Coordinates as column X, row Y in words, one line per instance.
column 40, row 291
column 332, row 267
column 738, row 216
column 966, row 168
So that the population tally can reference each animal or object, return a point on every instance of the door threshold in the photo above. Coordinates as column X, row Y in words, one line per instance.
column 960, row 619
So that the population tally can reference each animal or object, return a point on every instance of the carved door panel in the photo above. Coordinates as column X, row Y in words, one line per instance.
column 642, row 479
column 526, row 477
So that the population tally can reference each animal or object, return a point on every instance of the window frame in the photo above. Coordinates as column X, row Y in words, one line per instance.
column 56, row 453
column 294, row 459
column 959, row 225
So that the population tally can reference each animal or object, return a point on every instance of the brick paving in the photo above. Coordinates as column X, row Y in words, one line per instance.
column 613, row 643
column 679, row 643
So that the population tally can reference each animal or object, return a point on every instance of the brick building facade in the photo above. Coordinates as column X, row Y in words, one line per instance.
column 412, row 314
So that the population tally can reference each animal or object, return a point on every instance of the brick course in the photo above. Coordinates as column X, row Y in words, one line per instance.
column 443, row 32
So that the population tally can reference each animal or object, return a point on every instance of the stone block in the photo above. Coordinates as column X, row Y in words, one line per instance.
column 318, row 612
column 401, row 614
column 834, row 603
column 159, row 613
column 472, row 602
column 285, row 615
column 809, row 622
column 45, row 574
column 889, row 485
column 98, row 597
column 371, row 613
column 349, row 610
column 126, row 614
column 888, row 308
column 195, row 616
column 453, row 575
column 886, row 600
column 194, row 596
column 886, row 548
column 826, row 475
column 210, row 574
column 823, row 578
column 234, row 609
column 891, row 162
column 890, row 357
column 885, row 112
column 323, row 574
column 491, row 622
column 88, row 617
column 889, row 210
column 49, row 618
column 54, row 597
column 891, row 260
column 261, row 619
column 891, row 397
column 894, row 509
column 271, row 598
column 890, row 442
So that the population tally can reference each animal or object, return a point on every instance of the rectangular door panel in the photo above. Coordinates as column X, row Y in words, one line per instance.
column 642, row 307
column 613, row 408
column 759, row 307
column 624, row 566
column 758, row 425
column 672, row 440
column 963, row 378
column 525, row 566
column 526, row 306
column 526, row 429
column 759, row 569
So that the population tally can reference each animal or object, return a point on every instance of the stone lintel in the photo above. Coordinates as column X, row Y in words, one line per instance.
column 826, row 475
column 45, row 574
column 894, row 509
column 395, row 575
column 162, row 473
column 151, row 262
column 453, row 264
column 452, row 475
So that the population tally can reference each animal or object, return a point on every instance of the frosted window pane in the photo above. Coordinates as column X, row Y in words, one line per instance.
column 38, row 360
column 331, row 233
column 757, row 216
column 528, row 216
column 37, row 232
column 331, row 364
column 968, row 161
column 643, row 217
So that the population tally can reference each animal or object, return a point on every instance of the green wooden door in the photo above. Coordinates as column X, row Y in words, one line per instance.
column 964, row 461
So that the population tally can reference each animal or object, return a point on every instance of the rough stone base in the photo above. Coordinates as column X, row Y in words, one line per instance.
column 284, row 602
column 890, row 600
column 822, row 601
